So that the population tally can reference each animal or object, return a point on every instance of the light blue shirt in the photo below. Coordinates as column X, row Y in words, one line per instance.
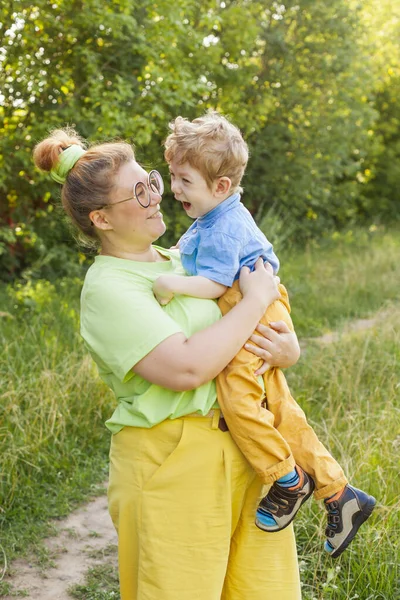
column 220, row 243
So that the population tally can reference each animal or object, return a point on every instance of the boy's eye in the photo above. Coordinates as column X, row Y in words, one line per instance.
column 185, row 180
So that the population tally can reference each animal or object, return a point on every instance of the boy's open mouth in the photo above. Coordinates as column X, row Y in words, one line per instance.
column 186, row 205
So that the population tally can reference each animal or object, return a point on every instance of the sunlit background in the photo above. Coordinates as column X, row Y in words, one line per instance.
column 314, row 86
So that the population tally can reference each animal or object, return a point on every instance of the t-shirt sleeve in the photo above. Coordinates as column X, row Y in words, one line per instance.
column 121, row 322
column 218, row 257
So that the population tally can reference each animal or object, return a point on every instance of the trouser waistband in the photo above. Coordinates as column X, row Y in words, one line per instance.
column 218, row 421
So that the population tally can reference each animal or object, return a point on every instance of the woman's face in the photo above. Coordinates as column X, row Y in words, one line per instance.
column 129, row 221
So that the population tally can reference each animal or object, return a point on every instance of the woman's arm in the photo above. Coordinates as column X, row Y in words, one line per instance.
column 181, row 363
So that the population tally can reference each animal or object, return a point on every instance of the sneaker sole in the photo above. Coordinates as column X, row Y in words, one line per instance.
column 306, row 497
column 362, row 517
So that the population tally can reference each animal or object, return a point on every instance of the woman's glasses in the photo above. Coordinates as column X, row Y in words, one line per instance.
column 141, row 191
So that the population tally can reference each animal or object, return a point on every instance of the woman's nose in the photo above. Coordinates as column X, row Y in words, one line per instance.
column 155, row 196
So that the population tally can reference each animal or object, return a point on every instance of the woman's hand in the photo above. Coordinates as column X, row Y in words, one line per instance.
column 277, row 346
column 259, row 283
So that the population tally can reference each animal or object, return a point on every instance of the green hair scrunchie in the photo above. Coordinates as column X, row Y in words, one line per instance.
column 66, row 161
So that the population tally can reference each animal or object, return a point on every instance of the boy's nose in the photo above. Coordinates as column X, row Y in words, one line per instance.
column 175, row 188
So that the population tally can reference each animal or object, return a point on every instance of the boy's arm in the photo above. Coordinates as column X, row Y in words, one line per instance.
column 197, row 286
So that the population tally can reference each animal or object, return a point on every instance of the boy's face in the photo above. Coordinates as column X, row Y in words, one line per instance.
column 190, row 188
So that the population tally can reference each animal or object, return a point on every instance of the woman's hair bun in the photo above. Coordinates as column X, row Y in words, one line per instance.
column 46, row 153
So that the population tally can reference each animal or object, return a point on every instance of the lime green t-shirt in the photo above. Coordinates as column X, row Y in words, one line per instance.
column 121, row 322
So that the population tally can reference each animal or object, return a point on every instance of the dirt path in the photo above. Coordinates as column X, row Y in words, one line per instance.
column 79, row 545
column 88, row 531
column 351, row 327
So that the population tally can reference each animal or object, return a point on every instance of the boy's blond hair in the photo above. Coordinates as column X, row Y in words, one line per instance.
column 210, row 144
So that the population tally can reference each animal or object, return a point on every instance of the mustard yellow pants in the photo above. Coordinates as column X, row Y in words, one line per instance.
column 182, row 498
column 273, row 436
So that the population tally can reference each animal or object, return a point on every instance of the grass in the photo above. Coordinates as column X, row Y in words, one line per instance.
column 351, row 276
column 350, row 392
column 101, row 584
column 53, row 444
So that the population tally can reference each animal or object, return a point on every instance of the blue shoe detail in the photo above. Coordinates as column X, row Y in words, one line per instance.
column 328, row 547
column 265, row 519
column 279, row 507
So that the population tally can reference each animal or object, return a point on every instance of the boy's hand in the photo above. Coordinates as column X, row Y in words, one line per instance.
column 162, row 288
column 261, row 282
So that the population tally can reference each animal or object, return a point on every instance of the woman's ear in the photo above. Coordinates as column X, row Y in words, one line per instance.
column 99, row 220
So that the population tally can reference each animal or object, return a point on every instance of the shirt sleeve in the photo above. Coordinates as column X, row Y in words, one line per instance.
column 218, row 257
column 121, row 322
column 271, row 257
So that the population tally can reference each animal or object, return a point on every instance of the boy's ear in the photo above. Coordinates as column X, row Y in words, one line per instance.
column 223, row 186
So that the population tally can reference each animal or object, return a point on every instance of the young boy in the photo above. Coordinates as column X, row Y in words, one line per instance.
column 207, row 159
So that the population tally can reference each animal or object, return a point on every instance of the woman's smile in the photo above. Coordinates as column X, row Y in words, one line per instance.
column 157, row 215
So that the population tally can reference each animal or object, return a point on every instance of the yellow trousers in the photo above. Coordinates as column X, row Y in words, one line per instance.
column 268, row 425
column 183, row 498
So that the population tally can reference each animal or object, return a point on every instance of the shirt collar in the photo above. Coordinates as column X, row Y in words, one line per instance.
column 219, row 210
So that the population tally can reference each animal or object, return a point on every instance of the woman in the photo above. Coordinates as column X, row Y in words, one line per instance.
column 181, row 495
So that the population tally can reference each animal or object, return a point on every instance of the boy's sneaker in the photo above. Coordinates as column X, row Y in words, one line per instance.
column 280, row 506
column 347, row 511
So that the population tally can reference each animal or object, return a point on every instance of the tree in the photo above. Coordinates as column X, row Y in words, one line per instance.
column 295, row 78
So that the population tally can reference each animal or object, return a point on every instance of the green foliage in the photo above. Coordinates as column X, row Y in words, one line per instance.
column 305, row 82
column 382, row 175
column 305, row 158
column 382, row 194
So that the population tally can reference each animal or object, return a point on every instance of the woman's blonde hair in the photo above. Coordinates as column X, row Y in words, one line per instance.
column 90, row 182
column 210, row 144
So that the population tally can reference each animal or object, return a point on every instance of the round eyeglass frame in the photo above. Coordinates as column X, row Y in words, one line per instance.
column 154, row 183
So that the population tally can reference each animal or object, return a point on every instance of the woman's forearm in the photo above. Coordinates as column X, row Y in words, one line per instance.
column 210, row 350
column 181, row 363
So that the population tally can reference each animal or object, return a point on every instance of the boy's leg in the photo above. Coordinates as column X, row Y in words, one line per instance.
column 291, row 421
column 264, row 434
column 241, row 395
column 347, row 507
column 308, row 451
